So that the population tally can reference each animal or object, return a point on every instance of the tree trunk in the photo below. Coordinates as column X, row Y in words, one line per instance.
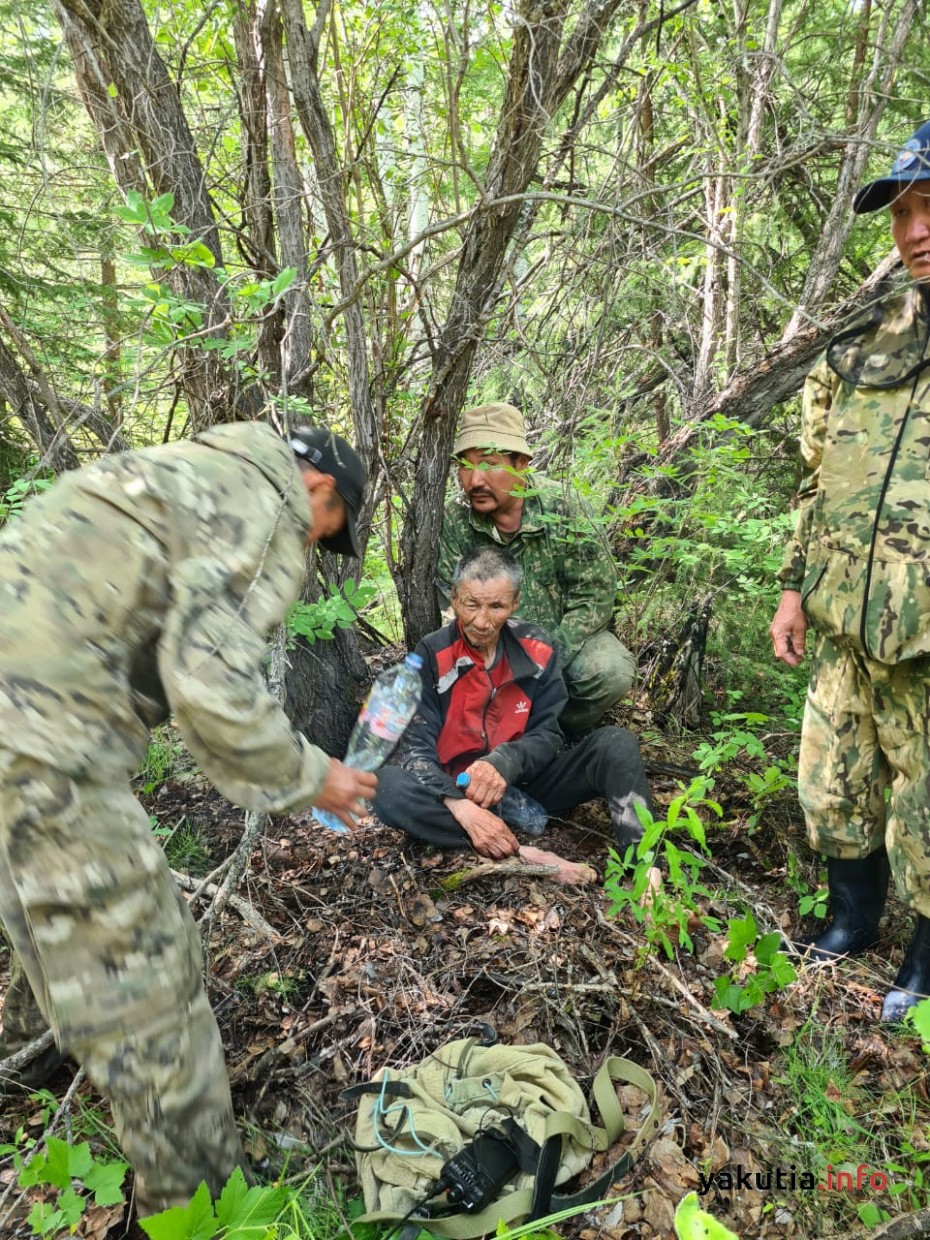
column 115, row 46
column 538, row 81
column 287, row 196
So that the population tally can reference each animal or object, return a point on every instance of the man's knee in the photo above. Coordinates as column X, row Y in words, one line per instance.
column 617, row 746
column 392, row 800
column 602, row 670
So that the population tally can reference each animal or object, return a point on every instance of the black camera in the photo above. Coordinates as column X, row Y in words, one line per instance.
column 473, row 1176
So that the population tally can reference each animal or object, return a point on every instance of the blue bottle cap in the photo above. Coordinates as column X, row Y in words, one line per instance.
column 463, row 779
column 414, row 660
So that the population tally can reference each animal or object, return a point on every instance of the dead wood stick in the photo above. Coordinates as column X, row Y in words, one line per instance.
column 254, row 827
column 20, row 1058
column 707, row 1017
column 242, row 907
column 506, row 867
column 916, row 1224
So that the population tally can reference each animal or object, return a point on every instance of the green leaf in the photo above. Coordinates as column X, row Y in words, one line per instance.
column 45, row 1218
column 248, row 1212
column 71, row 1206
column 163, row 203
column 195, row 1221
column 767, row 947
column 870, row 1215
column 919, row 1017
column 283, row 280
column 693, row 1223
column 58, row 1166
column 740, row 933
column 196, row 254
column 105, row 1181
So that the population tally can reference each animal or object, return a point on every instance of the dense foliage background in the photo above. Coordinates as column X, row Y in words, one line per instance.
column 632, row 220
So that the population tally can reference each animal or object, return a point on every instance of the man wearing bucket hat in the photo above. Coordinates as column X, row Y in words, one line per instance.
column 858, row 572
column 570, row 582
column 147, row 582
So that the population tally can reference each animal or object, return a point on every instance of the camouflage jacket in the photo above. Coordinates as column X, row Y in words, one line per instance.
column 149, row 581
column 861, row 551
column 569, row 578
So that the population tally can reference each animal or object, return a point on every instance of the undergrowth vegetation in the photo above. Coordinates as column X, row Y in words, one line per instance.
column 718, row 533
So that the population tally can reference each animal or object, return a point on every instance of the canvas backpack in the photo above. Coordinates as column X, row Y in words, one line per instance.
column 410, row 1121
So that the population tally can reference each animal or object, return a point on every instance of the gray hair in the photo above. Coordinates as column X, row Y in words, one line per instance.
column 487, row 564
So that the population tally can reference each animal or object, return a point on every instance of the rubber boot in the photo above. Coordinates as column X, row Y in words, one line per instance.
column 913, row 981
column 857, row 898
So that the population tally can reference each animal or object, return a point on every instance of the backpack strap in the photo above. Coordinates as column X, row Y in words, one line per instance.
column 530, row 1204
column 612, row 1070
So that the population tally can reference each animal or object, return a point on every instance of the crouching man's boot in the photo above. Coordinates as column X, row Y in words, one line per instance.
column 857, row 898
column 913, row 981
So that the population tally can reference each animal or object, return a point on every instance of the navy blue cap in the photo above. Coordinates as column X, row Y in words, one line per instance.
column 331, row 454
column 912, row 164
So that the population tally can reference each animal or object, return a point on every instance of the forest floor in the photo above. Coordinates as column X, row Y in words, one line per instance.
column 345, row 954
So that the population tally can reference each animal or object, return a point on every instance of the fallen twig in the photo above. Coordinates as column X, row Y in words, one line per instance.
column 916, row 1224
column 242, row 907
column 14, row 1062
column 489, row 868
column 254, row 827
column 706, row 1016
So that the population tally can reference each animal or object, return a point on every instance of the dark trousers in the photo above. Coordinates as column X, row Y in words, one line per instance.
column 607, row 763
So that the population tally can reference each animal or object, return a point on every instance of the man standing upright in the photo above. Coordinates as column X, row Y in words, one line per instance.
column 569, row 578
column 145, row 583
column 858, row 572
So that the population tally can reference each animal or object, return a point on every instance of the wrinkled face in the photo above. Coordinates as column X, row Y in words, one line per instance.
column 492, row 481
column 482, row 608
column 910, row 229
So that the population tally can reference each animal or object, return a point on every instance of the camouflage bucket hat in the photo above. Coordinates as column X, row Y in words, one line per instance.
column 497, row 426
column 911, row 164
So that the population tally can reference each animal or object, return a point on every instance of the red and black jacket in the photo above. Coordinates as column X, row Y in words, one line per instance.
column 507, row 714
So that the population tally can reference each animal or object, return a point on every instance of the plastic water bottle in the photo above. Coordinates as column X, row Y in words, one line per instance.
column 389, row 707
column 516, row 807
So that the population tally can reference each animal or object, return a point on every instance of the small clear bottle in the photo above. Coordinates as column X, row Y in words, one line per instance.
column 389, row 707
column 516, row 807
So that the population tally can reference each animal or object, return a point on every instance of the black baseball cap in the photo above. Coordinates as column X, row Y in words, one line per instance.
column 331, row 454
column 911, row 164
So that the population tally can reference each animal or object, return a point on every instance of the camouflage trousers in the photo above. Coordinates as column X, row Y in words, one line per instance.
column 599, row 676
column 864, row 769
column 112, row 957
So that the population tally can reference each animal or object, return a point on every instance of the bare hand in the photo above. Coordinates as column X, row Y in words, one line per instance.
column 486, row 786
column 344, row 792
column 789, row 629
column 490, row 836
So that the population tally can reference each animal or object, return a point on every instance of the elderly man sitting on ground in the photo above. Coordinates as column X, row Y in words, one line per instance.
column 492, row 696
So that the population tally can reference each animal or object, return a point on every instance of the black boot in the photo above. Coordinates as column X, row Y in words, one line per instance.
column 913, row 981
column 857, row 897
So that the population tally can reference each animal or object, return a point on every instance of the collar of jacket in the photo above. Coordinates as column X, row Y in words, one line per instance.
column 263, row 448
column 522, row 666
column 889, row 348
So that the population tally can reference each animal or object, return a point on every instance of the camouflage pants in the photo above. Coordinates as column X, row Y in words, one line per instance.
column 598, row 677
column 113, row 958
column 867, row 730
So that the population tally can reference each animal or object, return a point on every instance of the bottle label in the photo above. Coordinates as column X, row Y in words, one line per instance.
column 385, row 722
